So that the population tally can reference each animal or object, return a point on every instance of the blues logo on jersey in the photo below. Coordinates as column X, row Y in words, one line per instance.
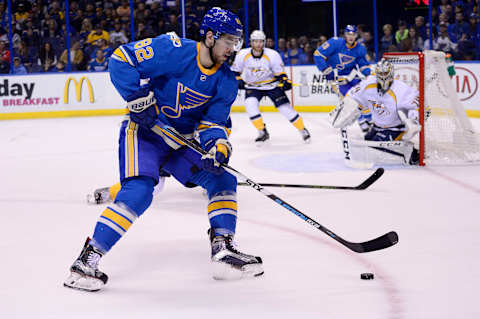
column 186, row 99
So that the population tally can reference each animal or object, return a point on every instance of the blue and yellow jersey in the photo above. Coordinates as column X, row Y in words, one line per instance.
column 189, row 96
column 339, row 55
column 98, row 65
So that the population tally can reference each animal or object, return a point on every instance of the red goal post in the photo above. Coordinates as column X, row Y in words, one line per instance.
column 447, row 135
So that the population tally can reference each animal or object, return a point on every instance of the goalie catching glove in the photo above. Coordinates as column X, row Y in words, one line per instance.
column 217, row 154
column 345, row 114
column 140, row 106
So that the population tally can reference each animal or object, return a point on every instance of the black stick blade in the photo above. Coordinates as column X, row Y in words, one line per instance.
column 369, row 181
column 379, row 243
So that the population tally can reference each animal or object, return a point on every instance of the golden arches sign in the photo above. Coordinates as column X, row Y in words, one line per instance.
column 78, row 89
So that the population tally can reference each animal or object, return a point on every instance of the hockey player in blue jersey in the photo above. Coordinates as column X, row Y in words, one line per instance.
column 345, row 57
column 189, row 88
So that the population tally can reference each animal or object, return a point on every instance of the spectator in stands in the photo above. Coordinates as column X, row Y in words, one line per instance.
column 293, row 53
column 85, row 30
column 321, row 40
column 270, row 43
column 77, row 19
column 172, row 24
column 402, row 32
column 367, row 41
column 123, row 11
column 414, row 42
column 467, row 42
column 444, row 43
column 442, row 8
column 31, row 38
column 4, row 58
column 426, row 43
column 143, row 32
column 306, row 57
column 387, row 40
column 420, row 27
column 59, row 67
column 458, row 31
column 102, row 45
column 46, row 57
column 96, row 34
column 99, row 63
column 360, row 29
column 3, row 16
column 90, row 13
column 160, row 27
column 443, row 18
column 51, row 30
column 18, row 67
column 21, row 13
column 76, row 57
column 117, row 36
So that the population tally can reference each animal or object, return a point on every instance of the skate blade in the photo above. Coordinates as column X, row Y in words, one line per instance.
column 222, row 271
column 92, row 201
column 81, row 282
column 262, row 143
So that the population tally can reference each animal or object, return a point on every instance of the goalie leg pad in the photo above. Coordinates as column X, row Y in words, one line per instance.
column 380, row 152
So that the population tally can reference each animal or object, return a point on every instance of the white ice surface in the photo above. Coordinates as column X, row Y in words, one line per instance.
column 160, row 269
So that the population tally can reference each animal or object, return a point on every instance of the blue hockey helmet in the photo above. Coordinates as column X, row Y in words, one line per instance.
column 351, row 29
column 221, row 21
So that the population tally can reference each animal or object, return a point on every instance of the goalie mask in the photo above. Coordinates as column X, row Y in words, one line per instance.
column 384, row 72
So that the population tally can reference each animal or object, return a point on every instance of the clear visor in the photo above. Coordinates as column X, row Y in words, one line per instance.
column 232, row 42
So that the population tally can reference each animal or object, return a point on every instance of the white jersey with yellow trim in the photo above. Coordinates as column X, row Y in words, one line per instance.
column 385, row 107
column 258, row 73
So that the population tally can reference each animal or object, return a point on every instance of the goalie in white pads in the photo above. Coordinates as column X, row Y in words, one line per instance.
column 394, row 108
column 260, row 72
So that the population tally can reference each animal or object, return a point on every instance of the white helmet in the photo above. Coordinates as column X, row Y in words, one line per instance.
column 257, row 35
column 385, row 74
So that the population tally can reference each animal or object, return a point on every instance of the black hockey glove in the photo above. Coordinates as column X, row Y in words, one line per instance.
column 141, row 105
column 241, row 83
column 284, row 83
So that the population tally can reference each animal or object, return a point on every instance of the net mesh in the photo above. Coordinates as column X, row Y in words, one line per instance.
column 449, row 135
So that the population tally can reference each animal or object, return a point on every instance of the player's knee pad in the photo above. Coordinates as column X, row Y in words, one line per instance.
column 215, row 184
column 136, row 193
column 225, row 182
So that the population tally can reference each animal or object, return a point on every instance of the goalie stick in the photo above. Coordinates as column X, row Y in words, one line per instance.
column 364, row 185
column 384, row 241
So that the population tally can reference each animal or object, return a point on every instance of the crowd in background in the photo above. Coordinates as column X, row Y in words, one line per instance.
column 97, row 28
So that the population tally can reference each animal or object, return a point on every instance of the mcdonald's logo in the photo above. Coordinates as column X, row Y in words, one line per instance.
column 78, row 89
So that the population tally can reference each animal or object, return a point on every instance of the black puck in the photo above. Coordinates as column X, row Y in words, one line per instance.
column 366, row 276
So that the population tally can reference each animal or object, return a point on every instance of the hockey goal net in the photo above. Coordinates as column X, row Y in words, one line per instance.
column 447, row 135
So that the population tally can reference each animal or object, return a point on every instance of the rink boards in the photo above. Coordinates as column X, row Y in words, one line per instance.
column 92, row 94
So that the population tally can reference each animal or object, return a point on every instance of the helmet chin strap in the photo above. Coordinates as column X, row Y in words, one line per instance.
column 210, row 52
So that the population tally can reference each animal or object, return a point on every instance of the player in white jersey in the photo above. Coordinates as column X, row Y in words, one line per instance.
column 394, row 108
column 260, row 72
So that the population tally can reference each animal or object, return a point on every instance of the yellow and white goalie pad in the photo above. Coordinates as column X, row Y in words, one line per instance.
column 365, row 154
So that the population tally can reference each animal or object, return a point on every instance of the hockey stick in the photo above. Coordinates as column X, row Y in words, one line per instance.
column 364, row 185
column 384, row 241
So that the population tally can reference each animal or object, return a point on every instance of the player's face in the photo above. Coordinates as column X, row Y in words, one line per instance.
column 258, row 45
column 350, row 37
column 224, row 47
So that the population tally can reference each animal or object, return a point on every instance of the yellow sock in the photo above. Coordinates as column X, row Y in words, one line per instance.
column 114, row 190
column 298, row 123
column 258, row 123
